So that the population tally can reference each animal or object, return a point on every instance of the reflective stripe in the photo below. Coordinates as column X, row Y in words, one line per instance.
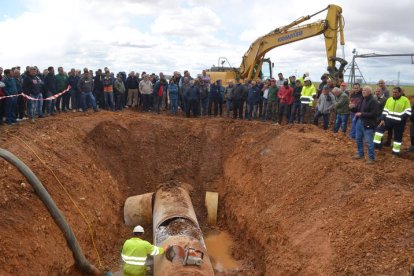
column 377, row 137
column 135, row 263
column 393, row 117
column 132, row 258
column 396, row 147
column 306, row 99
column 155, row 251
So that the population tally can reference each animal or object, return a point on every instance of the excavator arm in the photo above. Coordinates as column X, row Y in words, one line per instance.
column 330, row 27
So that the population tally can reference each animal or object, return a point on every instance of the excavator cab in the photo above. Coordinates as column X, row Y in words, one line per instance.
column 266, row 70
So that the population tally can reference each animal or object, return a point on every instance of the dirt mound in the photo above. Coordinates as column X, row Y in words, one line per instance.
column 291, row 196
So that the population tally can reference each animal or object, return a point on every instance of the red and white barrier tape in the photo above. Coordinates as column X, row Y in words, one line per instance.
column 34, row 99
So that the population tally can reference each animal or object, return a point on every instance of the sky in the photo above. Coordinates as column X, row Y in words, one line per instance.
column 167, row 35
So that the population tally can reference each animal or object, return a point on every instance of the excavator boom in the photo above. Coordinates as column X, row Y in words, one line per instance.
column 329, row 27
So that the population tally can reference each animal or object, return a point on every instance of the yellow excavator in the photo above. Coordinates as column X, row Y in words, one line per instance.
column 254, row 61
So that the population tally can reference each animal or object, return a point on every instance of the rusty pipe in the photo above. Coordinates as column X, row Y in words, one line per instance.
column 175, row 224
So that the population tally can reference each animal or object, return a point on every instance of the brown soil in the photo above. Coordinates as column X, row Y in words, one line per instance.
column 292, row 197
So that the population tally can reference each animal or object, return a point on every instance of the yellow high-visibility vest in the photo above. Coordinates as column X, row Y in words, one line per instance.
column 134, row 254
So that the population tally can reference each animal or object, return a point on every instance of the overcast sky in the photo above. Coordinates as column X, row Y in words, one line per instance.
column 164, row 36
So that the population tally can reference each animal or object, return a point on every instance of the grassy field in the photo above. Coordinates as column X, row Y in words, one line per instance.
column 408, row 89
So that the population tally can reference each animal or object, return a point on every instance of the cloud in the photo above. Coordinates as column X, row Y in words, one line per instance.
column 163, row 35
column 186, row 22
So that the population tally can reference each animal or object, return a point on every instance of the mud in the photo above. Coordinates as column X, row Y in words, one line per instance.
column 292, row 198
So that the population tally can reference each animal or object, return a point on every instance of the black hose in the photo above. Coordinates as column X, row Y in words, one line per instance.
column 81, row 262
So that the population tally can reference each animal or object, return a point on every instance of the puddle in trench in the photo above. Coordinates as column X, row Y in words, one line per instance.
column 219, row 245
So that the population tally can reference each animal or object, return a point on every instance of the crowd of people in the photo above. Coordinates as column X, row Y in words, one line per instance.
column 34, row 94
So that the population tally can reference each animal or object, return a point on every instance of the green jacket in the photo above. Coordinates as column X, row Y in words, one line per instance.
column 272, row 95
column 62, row 82
column 342, row 104
column 134, row 254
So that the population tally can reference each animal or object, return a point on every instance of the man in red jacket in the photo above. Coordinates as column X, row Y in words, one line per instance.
column 285, row 95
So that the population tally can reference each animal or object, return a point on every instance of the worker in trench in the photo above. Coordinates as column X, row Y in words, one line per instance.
column 135, row 252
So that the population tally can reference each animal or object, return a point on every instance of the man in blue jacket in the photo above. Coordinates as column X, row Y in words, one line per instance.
column 193, row 98
column 10, row 89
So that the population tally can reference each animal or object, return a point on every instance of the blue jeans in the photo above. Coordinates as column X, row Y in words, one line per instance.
column 173, row 106
column 36, row 106
column 341, row 120
column 109, row 100
column 367, row 134
column 50, row 104
column 11, row 104
column 251, row 111
column 88, row 99
column 352, row 133
column 228, row 106
column 296, row 108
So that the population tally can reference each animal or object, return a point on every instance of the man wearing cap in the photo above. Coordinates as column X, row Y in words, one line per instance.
column 135, row 252
column 342, row 110
column 307, row 96
column 343, row 87
column 326, row 103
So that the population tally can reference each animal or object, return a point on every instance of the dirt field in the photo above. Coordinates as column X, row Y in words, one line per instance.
column 291, row 196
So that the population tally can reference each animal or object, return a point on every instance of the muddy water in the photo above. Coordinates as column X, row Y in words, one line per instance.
column 219, row 245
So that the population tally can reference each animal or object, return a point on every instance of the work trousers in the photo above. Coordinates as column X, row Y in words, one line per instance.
column 193, row 106
column 306, row 109
column 213, row 103
column 119, row 101
column 238, row 108
column 204, row 106
column 325, row 117
column 66, row 100
column 271, row 111
column 283, row 110
column 295, row 113
column 394, row 126
column 132, row 97
column 157, row 103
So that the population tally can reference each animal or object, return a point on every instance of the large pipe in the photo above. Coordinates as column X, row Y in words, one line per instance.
column 175, row 224
column 81, row 262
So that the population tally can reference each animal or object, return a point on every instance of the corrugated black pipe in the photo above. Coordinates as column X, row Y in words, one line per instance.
column 81, row 262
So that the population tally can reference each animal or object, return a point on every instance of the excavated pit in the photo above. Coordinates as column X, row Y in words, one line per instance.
column 291, row 197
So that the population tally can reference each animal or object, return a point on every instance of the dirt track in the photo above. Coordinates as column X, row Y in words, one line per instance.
column 292, row 197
